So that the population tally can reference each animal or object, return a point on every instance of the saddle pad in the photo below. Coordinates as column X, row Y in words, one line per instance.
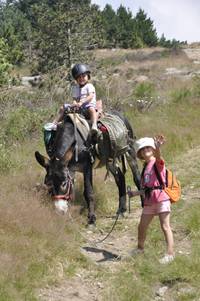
column 118, row 133
column 81, row 123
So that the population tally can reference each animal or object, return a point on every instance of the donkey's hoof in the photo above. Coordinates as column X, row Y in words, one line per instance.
column 121, row 211
column 91, row 226
column 121, row 214
column 91, row 220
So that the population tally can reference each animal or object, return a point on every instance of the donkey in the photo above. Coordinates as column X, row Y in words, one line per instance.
column 72, row 152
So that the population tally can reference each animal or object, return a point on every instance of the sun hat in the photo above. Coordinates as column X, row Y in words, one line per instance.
column 143, row 142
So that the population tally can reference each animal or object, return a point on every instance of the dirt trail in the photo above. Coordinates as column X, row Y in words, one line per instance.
column 85, row 286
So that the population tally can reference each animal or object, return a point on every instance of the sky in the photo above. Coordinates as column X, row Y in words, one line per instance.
column 179, row 19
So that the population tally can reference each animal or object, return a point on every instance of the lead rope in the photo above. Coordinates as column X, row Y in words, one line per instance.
column 95, row 242
column 111, row 230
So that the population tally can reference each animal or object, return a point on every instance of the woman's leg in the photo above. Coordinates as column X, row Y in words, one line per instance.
column 145, row 220
column 165, row 226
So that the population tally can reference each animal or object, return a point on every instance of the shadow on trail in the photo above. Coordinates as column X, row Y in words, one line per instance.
column 107, row 256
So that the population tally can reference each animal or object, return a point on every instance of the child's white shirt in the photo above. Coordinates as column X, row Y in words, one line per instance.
column 80, row 93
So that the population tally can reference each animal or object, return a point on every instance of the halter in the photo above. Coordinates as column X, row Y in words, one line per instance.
column 68, row 196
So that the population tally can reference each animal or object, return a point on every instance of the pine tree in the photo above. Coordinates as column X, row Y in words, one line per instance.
column 145, row 29
column 66, row 30
column 4, row 62
column 125, row 27
column 110, row 26
column 14, row 28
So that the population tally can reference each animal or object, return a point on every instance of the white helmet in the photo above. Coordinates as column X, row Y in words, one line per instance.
column 142, row 142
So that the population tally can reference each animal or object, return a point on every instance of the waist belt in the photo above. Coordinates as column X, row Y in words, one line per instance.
column 148, row 190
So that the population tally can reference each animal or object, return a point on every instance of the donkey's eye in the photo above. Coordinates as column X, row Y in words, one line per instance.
column 64, row 184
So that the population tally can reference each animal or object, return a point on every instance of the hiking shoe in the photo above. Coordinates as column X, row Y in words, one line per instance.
column 166, row 259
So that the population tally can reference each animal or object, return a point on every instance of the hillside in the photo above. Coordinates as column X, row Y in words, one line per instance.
column 49, row 257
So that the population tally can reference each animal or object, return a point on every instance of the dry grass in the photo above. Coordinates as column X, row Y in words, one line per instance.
column 33, row 238
column 38, row 247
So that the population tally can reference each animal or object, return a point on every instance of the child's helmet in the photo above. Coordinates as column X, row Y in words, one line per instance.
column 79, row 69
column 142, row 142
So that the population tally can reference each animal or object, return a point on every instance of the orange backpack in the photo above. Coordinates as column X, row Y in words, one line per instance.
column 171, row 186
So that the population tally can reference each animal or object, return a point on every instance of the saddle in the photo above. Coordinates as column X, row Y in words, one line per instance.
column 81, row 124
column 79, row 120
column 110, row 143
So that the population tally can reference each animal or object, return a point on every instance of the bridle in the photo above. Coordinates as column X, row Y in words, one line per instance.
column 68, row 196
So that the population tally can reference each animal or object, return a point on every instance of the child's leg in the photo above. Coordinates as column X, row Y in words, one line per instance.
column 93, row 117
column 165, row 226
column 93, row 114
column 145, row 220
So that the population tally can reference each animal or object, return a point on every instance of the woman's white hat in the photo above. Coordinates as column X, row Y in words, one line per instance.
column 142, row 142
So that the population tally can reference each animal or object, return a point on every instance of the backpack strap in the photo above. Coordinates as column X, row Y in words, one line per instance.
column 142, row 174
column 159, row 176
column 143, row 170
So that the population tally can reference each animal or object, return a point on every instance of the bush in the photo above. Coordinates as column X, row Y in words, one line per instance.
column 5, row 161
column 21, row 123
column 144, row 90
column 4, row 63
column 179, row 96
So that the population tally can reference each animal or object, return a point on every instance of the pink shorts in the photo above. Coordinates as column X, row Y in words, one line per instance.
column 157, row 208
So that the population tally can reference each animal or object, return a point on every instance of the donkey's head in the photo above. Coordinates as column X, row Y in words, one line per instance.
column 58, row 179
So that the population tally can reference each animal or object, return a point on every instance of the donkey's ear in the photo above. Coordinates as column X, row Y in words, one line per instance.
column 43, row 161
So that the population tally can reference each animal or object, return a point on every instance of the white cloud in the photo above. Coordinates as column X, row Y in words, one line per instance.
column 177, row 19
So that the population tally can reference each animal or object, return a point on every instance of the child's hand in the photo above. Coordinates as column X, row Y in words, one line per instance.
column 159, row 140
column 75, row 103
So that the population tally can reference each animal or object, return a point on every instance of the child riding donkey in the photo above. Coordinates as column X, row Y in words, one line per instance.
column 84, row 96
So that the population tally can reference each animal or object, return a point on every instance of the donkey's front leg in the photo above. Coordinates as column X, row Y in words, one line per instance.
column 132, row 161
column 121, row 184
column 89, row 193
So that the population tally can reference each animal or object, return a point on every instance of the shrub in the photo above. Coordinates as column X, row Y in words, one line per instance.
column 144, row 90
column 21, row 123
column 4, row 63
column 180, row 95
column 5, row 161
